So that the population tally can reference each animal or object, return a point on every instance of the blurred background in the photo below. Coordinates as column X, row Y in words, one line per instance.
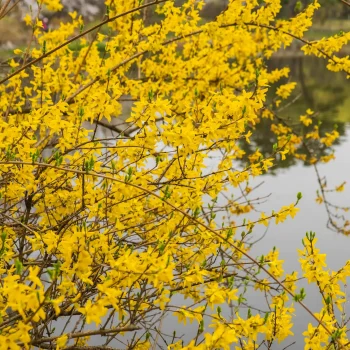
column 331, row 18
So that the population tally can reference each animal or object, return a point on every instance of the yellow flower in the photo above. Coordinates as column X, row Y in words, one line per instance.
column 263, row 285
column 61, row 341
column 305, row 120
column 341, row 187
column 264, row 219
column 13, row 63
column 285, row 90
column 27, row 19
column 53, row 5
column 93, row 311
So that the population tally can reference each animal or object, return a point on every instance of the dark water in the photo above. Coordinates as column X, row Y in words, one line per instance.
column 312, row 216
column 329, row 94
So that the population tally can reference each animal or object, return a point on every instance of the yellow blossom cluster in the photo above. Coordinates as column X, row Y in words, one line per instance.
column 114, row 217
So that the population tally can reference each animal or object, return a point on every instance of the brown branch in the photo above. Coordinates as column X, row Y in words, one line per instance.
column 345, row 2
column 110, row 127
column 70, row 99
column 85, row 56
column 27, row 110
column 219, row 235
column 79, row 347
column 108, row 20
column 3, row 8
column 129, row 328
column 4, row 14
column 18, row 223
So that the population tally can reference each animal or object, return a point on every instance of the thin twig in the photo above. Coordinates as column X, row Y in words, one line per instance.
column 108, row 20
column 198, row 222
column 129, row 328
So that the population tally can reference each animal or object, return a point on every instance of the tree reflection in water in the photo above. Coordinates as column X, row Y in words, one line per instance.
column 326, row 93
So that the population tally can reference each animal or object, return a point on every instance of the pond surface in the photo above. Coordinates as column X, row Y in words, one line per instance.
column 329, row 94
column 312, row 217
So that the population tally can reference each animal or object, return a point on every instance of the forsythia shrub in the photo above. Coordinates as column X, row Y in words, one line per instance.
column 134, row 227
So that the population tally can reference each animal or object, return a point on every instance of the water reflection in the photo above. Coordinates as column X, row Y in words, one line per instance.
column 312, row 216
column 321, row 90
column 327, row 93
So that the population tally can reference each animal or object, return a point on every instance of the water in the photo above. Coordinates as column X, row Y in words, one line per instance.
column 312, row 216
column 328, row 94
